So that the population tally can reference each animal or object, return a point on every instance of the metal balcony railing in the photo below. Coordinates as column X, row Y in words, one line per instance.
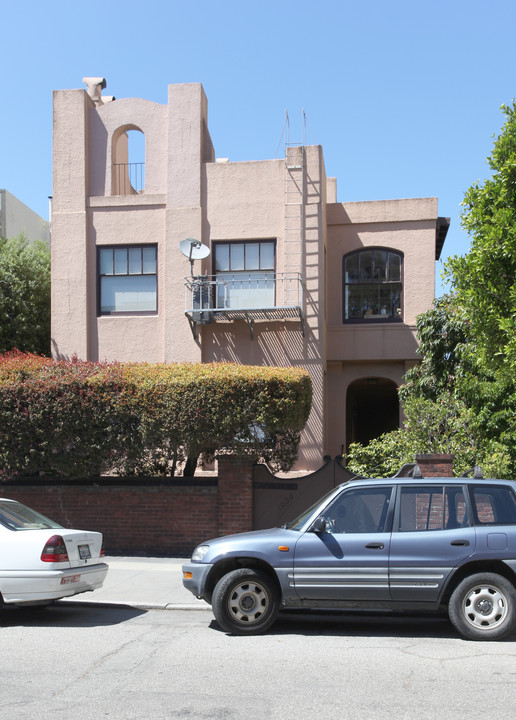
column 128, row 178
column 249, row 296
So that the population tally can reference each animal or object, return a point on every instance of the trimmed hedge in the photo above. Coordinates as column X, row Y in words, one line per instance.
column 83, row 419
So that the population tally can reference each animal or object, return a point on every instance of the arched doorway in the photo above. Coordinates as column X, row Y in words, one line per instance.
column 372, row 408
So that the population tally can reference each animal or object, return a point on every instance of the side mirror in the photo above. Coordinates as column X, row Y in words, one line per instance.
column 320, row 525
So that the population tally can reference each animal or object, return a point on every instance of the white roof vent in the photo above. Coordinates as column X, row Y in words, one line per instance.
column 95, row 86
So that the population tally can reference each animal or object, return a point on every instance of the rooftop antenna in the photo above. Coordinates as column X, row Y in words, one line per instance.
column 193, row 250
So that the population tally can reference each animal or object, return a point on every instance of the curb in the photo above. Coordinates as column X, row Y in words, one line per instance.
column 137, row 604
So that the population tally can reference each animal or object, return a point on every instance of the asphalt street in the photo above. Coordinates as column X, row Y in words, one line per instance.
column 120, row 654
column 115, row 662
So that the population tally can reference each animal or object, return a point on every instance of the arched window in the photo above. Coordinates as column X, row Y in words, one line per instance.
column 372, row 286
column 128, row 161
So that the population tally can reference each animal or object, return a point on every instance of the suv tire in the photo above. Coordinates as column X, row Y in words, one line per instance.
column 245, row 602
column 482, row 607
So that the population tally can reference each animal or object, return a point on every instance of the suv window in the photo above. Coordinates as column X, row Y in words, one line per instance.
column 432, row 508
column 360, row 510
column 493, row 504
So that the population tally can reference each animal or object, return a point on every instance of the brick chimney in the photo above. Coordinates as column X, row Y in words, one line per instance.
column 434, row 465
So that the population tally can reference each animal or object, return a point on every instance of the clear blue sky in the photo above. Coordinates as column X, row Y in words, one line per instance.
column 404, row 96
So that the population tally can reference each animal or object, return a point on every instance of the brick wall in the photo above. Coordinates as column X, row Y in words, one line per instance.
column 235, row 495
column 435, row 465
column 150, row 517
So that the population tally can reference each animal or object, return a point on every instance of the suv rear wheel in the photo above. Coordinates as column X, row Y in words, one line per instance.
column 482, row 607
column 245, row 602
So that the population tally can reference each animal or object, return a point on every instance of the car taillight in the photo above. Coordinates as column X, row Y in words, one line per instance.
column 102, row 551
column 55, row 550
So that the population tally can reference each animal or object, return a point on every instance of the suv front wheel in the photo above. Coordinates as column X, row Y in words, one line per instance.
column 245, row 602
column 482, row 607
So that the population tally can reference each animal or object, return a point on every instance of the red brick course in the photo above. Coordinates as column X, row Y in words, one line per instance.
column 150, row 516
column 156, row 517
column 435, row 465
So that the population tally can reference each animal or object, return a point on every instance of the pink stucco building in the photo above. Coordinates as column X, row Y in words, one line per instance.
column 292, row 278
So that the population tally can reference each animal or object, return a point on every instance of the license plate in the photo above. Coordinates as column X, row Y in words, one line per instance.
column 84, row 552
column 70, row 579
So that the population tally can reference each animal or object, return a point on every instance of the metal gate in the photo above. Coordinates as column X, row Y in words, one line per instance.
column 279, row 500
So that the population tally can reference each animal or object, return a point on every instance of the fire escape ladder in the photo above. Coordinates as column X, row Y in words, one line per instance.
column 294, row 207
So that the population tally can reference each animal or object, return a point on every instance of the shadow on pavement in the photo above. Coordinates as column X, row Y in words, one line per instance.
column 333, row 624
column 65, row 615
column 365, row 625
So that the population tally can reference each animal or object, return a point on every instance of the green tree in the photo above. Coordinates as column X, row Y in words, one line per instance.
column 447, row 425
column 24, row 295
column 484, row 279
column 445, row 347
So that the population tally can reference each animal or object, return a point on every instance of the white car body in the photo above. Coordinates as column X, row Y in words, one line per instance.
column 26, row 579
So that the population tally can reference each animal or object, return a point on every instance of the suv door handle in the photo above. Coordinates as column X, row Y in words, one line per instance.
column 460, row 542
column 375, row 546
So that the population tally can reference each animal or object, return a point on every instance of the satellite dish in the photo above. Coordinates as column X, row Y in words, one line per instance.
column 193, row 250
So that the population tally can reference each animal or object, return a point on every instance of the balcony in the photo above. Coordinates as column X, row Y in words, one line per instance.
column 227, row 297
column 128, row 178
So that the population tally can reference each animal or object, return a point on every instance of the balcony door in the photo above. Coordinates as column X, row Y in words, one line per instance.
column 244, row 273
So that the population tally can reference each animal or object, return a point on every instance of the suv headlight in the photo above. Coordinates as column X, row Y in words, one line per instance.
column 199, row 553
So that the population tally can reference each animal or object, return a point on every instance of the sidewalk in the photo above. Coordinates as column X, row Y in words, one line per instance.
column 144, row 583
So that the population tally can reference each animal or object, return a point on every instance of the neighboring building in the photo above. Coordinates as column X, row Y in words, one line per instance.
column 17, row 218
column 293, row 276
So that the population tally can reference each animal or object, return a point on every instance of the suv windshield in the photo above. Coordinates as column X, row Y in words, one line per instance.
column 15, row 516
column 298, row 522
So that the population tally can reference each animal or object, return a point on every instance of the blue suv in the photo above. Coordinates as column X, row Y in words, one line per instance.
column 430, row 545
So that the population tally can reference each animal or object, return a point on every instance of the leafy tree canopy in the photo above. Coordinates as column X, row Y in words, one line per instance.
column 484, row 280
column 24, row 295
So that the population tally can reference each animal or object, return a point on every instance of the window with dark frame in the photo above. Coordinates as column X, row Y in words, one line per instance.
column 432, row 508
column 127, row 280
column 372, row 285
column 244, row 273
column 359, row 510
column 493, row 504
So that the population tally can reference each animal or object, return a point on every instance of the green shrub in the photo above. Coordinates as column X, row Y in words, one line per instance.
column 82, row 419
column 24, row 295
column 447, row 426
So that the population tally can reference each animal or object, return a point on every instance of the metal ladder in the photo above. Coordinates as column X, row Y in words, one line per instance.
column 294, row 207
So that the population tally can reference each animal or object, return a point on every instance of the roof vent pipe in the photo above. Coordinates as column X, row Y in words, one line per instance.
column 95, row 86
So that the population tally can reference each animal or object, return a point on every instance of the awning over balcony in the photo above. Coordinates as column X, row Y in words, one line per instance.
column 247, row 296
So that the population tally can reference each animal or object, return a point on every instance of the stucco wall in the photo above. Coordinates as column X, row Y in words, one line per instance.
column 247, row 201
column 188, row 195
column 244, row 200
column 375, row 350
column 16, row 218
column 106, row 121
column 340, row 375
column 407, row 226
